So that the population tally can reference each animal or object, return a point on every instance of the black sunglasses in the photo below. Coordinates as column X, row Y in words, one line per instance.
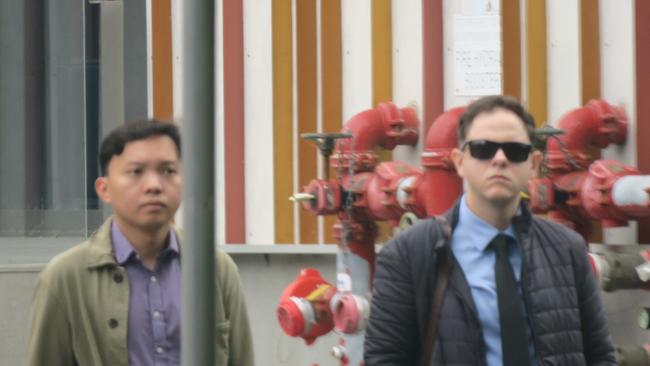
column 516, row 152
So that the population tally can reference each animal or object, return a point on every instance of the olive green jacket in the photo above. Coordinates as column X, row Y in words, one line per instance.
column 80, row 309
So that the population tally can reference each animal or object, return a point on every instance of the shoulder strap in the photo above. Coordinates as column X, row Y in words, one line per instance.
column 443, row 269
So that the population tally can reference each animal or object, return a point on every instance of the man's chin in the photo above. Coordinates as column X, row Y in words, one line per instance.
column 502, row 199
column 154, row 225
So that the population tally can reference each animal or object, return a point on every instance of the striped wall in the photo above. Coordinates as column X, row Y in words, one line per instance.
column 294, row 66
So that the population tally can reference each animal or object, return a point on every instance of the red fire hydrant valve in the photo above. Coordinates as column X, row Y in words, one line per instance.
column 304, row 309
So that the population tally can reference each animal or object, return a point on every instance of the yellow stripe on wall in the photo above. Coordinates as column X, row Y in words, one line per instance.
column 511, row 52
column 590, row 69
column 382, row 72
column 590, row 48
column 382, row 60
column 331, row 82
column 307, row 107
column 536, row 61
column 282, row 121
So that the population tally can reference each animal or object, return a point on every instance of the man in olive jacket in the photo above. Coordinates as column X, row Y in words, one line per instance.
column 520, row 291
column 114, row 299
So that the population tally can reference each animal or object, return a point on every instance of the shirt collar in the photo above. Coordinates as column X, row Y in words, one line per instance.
column 123, row 248
column 479, row 232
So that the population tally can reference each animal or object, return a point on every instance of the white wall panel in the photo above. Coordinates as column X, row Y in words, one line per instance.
column 618, row 87
column 258, row 126
column 563, row 37
column 357, row 57
column 408, row 68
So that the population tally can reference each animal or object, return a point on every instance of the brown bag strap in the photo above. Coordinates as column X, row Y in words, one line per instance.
column 443, row 270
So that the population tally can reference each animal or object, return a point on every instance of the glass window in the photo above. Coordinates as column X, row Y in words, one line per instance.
column 49, row 118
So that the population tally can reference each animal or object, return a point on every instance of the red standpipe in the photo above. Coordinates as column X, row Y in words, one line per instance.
column 597, row 124
column 377, row 192
column 385, row 126
column 577, row 191
column 441, row 185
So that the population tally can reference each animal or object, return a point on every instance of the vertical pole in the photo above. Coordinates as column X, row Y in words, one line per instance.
column 198, row 257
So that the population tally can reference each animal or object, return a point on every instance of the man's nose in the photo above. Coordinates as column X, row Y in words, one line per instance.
column 152, row 182
column 500, row 156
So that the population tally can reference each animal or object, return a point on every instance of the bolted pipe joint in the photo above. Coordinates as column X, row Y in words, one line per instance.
column 321, row 197
column 388, row 191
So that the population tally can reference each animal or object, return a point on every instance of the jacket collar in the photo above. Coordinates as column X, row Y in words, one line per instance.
column 451, row 216
column 100, row 251
column 520, row 222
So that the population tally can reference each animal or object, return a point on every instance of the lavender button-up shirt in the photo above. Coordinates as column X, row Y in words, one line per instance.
column 154, row 324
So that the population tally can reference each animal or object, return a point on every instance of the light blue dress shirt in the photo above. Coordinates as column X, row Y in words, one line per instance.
column 470, row 241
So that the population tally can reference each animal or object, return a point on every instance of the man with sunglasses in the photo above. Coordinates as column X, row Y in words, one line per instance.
column 520, row 291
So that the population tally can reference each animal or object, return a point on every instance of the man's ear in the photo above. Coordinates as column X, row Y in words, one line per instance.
column 536, row 160
column 457, row 157
column 101, row 187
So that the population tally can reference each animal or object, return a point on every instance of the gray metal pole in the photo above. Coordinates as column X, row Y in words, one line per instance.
column 198, row 257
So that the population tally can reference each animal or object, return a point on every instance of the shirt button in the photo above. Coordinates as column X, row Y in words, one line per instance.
column 113, row 323
column 154, row 279
column 160, row 349
column 156, row 314
column 118, row 278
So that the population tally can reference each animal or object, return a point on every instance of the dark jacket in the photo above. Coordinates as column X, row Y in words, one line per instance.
column 560, row 295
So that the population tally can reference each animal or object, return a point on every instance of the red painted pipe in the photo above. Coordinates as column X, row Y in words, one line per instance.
column 440, row 185
column 597, row 124
column 385, row 126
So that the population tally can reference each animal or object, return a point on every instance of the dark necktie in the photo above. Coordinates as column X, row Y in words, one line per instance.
column 514, row 341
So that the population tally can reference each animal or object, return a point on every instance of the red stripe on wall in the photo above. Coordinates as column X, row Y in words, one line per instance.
column 642, row 43
column 233, row 79
column 161, row 59
column 433, row 65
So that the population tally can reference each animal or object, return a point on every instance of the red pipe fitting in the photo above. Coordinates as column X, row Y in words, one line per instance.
column 605, row 195
column 597, row 124
column 541, row 193
column 384, row 194
column 385, row 126
column 609, row 191
column 304, row 308
column 327, row 197
column 351, row 313
column 440, row 185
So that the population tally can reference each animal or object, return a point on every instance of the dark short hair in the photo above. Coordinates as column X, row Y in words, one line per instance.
column 113, row 144
column 489, row 104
